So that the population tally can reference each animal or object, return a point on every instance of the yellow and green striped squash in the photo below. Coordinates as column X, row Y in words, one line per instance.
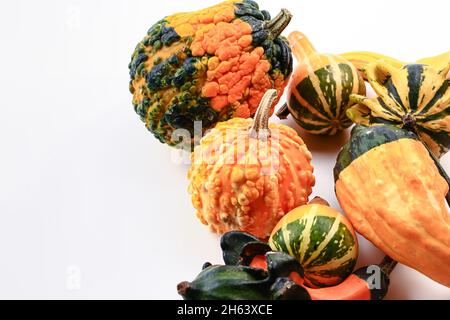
column 321, row 239
column 415, row 97
column 320, row 89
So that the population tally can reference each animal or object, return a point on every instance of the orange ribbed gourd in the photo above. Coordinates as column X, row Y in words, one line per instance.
column 246, row 174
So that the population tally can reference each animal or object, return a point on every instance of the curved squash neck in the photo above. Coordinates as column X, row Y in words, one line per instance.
column 301, row 47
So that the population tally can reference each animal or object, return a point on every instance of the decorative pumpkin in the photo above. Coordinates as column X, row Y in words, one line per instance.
column 321, row 239
column 320, row 89
column 246, row 174
column 252, row 271
column 208, row 66
column 392, row 192
column 415, row 97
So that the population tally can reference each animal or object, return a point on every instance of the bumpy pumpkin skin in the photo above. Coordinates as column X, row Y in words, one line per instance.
column 320, row 88
column 390, row 189
column 208, row 66
column 321, row 239
column 415, row 97
column 245, row 194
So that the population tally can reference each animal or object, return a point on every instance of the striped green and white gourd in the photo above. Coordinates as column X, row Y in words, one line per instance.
column 321, row 239
column 415, row 97
column 320, row 89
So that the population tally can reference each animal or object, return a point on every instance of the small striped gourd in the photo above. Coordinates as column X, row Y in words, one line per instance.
column 415, row 97
column 320, row 89
column 321, row 239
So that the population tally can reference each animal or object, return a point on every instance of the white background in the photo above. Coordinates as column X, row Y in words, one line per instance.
column 91, row 205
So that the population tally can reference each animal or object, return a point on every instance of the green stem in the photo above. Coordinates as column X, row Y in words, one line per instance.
column 278, row 24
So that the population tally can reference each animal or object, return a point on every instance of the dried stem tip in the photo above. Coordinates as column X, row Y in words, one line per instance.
column 260, row 128
column 278, row 24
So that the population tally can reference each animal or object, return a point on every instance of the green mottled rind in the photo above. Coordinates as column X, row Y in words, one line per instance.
column 332, row 113
column 363, row 139
column 181, row 76
column 339, row 245
column 177, row 76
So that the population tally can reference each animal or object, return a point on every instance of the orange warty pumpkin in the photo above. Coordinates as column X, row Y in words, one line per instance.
column 246, row 174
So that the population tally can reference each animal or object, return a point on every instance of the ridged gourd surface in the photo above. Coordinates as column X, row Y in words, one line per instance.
column 322, row 240
column 319, row 92
column 415, row 97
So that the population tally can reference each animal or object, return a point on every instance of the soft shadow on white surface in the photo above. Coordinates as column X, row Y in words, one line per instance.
column 330, row 145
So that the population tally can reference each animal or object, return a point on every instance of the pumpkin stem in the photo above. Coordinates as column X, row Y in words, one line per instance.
column 319, row 200
column 283, row 112
column 408, row 121
column 278, row 24
column 260, row 127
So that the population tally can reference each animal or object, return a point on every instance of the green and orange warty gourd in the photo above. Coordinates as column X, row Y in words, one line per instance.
column 392, row 192
column 208, row 66
column 246, row 175
column 320, row 89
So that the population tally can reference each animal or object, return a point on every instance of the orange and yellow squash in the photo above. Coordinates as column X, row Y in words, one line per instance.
column 246, row 174
column 320, row 89
column 394, row 195
column 208, row 66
